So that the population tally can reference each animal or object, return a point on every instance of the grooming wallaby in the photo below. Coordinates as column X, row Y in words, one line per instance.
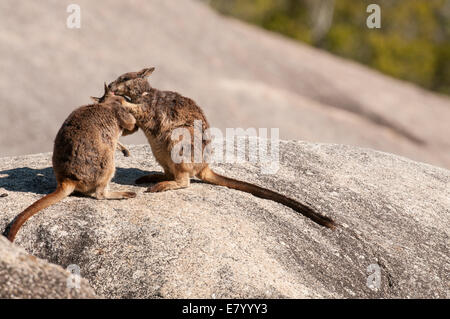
column 161, row 112
column 120, row 146
column 83, row 155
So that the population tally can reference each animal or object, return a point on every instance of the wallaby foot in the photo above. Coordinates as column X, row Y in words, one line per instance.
column 121, row 195
column 165, row 186
column 153, row 178
column 103, row 194
column 181, row 182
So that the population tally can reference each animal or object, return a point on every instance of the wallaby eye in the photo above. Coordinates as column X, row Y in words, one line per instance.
column 124, row 78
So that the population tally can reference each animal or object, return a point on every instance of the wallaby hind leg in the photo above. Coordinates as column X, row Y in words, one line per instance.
column 102, row 192
column 182, row 180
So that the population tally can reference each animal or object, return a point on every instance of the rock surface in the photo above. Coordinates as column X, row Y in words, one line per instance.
column 25, row 276
column 209, row 241
column 242, row 77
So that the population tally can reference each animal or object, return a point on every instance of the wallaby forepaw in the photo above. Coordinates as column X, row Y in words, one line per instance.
column 126, row 153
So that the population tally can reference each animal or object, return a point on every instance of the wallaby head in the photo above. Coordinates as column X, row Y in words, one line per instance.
column 108, row 96
column 132, row 84
column 118, row 101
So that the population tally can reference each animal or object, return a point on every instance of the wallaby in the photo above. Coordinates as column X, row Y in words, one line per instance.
column 161, row 112
column 83, row 155
column 120, row 146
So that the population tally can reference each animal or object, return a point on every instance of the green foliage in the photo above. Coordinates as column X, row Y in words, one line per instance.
column 413, row 43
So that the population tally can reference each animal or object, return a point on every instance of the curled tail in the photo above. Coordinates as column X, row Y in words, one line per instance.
column 209, row 176
column 62, row 191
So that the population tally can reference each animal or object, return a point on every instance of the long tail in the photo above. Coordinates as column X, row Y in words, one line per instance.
column 62, row 191
column 209, row 176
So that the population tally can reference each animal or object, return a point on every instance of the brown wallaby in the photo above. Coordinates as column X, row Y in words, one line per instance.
column 83, row 155
column 120, row 146
column 161, row 112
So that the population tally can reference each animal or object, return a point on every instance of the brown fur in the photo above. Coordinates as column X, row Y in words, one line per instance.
column 126, row 132
column 83, row 155
column 163, row 111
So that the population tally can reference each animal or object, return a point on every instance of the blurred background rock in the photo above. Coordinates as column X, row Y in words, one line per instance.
column 413, row 43
column 240, row 74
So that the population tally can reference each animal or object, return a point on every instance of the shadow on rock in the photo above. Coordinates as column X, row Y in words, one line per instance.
column 42, row 181
column 128, row 176
column 29, row 180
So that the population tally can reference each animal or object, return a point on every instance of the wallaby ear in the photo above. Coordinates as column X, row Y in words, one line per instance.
column 145, row 72
column 95, row 99
column 108, row 91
